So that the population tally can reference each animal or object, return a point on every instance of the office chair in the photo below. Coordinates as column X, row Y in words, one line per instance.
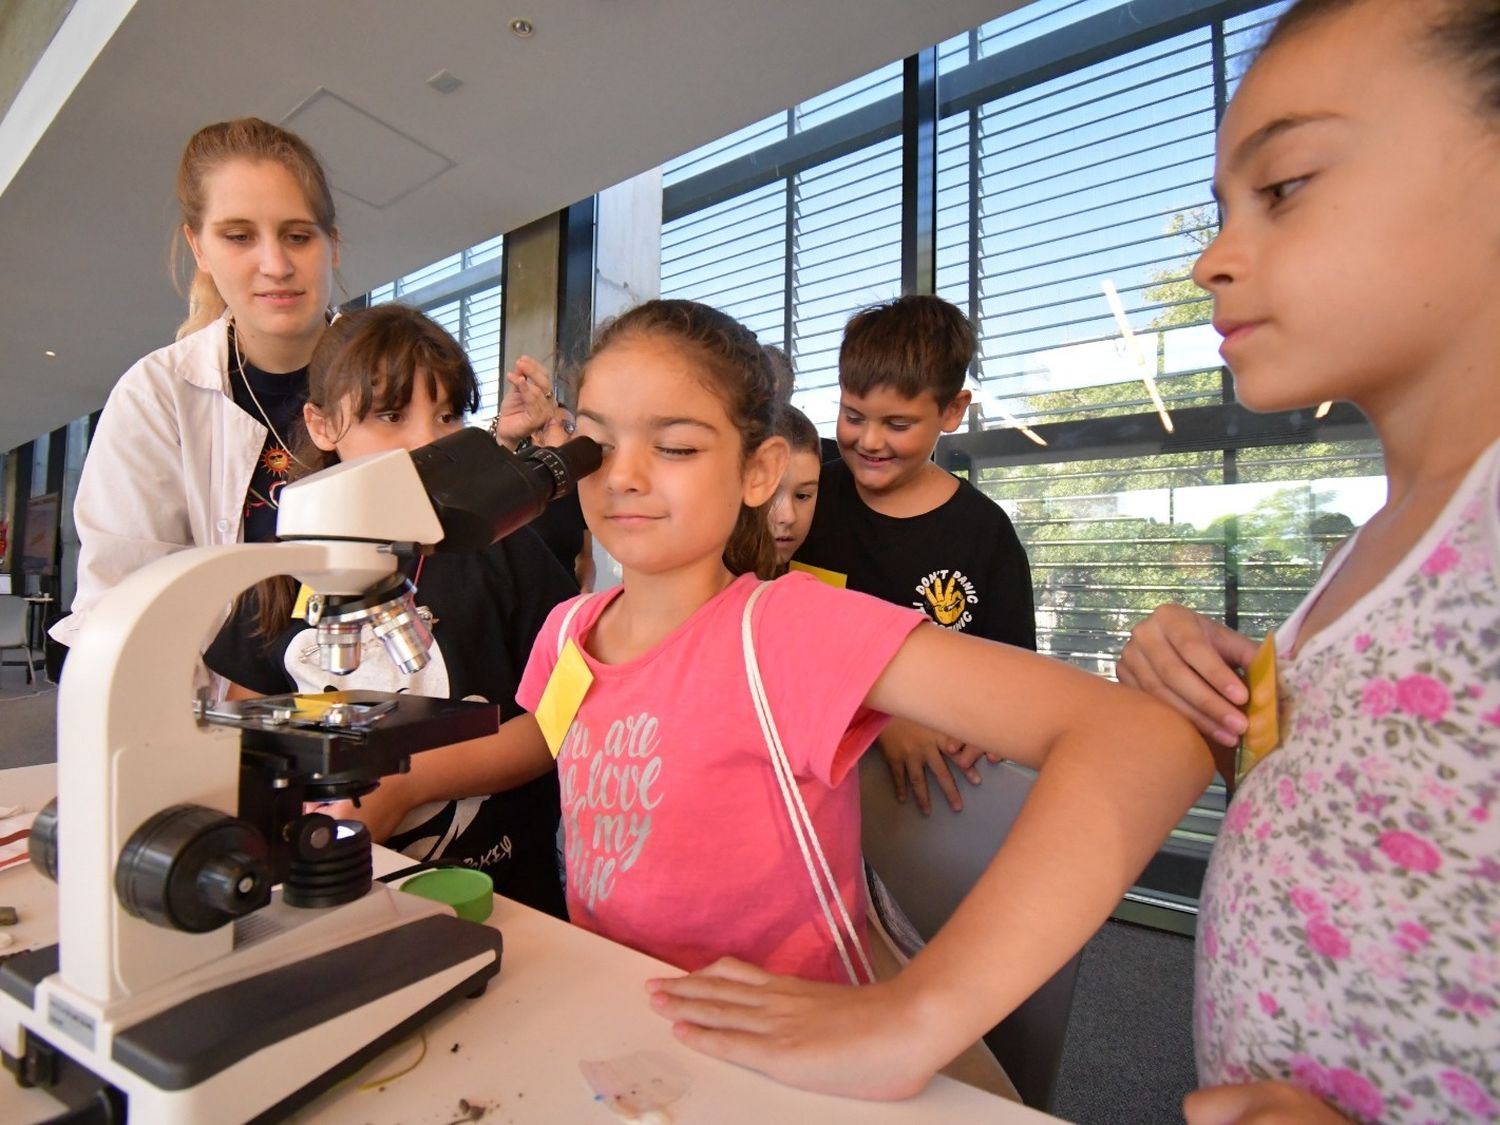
column 929, row 863
column 13, row 632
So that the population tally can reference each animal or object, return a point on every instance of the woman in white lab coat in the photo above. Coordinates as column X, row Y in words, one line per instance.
column 195, row 442
column 192, row 446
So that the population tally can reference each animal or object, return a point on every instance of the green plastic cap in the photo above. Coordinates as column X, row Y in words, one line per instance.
column 471, row 893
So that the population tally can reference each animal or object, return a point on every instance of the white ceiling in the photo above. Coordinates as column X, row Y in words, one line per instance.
column 603, row 90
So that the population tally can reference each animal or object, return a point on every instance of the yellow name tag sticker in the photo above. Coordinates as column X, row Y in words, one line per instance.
column 563, row 695
column 830, row 577
column 299, row 609
column 1263, row 711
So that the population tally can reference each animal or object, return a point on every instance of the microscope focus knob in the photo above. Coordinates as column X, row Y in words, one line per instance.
column 192, row 868
column 41, row 844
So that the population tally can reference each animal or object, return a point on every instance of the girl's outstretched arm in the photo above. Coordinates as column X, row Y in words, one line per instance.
column 1117, row 771
column 512, row 756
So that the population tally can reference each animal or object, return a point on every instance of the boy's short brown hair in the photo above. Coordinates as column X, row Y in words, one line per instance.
column 911, row 345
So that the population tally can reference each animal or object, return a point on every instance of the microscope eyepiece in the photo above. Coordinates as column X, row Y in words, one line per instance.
column 482, row 492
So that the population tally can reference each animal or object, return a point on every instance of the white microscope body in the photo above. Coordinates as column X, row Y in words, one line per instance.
column 249, row 1019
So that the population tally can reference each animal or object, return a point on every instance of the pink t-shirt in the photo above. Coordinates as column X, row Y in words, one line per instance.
column 678, row 842
column 1349, row 939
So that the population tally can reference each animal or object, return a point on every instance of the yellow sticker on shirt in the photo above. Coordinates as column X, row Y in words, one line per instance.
column 831, row 577
column 299, row 610
column 1263, row 711
column 563, row 695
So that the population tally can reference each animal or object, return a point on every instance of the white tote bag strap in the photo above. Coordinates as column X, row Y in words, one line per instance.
column 818, row 870
column 567, row 621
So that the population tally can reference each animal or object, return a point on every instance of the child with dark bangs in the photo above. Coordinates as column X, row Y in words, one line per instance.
column 390, row 378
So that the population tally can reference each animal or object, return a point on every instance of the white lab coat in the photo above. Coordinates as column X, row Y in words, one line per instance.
column 168, row 467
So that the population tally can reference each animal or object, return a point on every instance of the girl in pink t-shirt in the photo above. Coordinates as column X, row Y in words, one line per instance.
column 1348, row 958
column 679, row 840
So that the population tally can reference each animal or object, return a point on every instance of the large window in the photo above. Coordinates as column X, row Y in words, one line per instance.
column 1074, row 159
column 794, row 254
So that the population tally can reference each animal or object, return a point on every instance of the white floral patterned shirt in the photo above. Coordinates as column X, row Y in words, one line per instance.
column 1349, row 940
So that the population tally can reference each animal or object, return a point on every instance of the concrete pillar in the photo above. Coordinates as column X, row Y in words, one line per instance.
column 627, row 245
column 531, row 274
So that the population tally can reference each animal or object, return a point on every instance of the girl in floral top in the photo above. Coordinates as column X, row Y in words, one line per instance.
column 1349, row 961
column 1349, row 943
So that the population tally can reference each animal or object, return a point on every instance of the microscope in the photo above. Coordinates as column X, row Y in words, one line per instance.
column 224, row 955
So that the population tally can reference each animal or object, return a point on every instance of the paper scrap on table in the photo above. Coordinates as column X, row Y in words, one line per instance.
column 637, row 1087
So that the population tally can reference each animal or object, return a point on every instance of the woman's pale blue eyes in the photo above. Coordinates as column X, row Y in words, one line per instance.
column 296, row 237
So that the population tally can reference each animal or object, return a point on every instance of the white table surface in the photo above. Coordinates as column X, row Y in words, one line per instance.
column 563, row 996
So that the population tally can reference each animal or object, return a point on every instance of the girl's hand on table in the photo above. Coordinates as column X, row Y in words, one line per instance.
column 836, row 1039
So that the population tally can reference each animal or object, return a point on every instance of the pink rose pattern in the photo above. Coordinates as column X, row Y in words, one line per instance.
column 1357, row 883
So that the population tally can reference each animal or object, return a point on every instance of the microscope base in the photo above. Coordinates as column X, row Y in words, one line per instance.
column 260, row 1047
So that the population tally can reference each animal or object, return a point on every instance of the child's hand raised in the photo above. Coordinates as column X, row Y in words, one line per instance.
column 911, row 749
column 528, row 402
column 1188, row 661
column 1258, row 1103
column 836, row 1039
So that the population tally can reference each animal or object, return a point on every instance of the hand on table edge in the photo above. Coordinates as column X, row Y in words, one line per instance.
column 872, row 1042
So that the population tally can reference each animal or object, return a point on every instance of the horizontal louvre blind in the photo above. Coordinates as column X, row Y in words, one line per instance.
column 839, row 223
column 733, row 256
column 847, row 255
column 850, row 96
column 792, row 259
column 1050, row 193
column 427, row 275
column 480, row 336
column 752, row 137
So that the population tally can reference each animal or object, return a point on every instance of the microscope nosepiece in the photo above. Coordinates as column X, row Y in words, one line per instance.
column 396, row 623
